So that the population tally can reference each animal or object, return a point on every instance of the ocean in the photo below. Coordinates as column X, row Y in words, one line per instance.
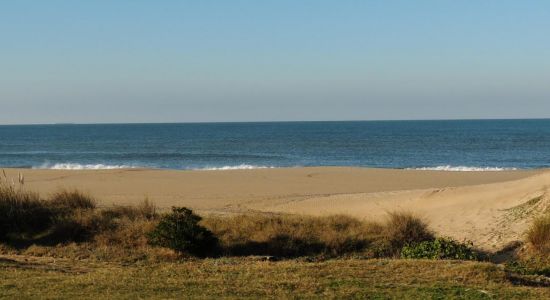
column 459, row 145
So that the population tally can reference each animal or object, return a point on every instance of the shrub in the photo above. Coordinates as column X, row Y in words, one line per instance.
column 440, row 248
column 538, row 235
column 401, row 229
column 180, row 231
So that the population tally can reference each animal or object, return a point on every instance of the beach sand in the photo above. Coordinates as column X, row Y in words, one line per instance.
column 489, row 208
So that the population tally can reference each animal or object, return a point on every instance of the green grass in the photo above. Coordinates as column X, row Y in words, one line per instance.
column 249, row 278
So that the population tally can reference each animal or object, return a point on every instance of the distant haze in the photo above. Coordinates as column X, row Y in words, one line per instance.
column 188, row 61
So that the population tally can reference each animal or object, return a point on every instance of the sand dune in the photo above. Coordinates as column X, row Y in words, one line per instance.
column 490, row 215
column 489, row 208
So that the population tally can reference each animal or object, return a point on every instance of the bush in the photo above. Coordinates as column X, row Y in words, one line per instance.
column 180, row 231
column 401, row 229
column 538, row 235
column 440, row 248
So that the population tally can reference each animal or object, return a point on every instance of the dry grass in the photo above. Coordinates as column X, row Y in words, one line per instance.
column 144, row 210
column 70, row 219
column 538, row 235
column 113, row 234
column 331, row 236
column 21, row 212
column 288, row 235
column 71, row 200
column 68, row 222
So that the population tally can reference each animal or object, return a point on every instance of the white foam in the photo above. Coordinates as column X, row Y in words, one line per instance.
column 463, row 169
column 74, row 166
column 237, row 167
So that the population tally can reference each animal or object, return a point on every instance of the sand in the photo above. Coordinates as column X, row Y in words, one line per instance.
column 489, row 208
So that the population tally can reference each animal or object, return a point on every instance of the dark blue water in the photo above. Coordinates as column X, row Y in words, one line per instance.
column 389, row 144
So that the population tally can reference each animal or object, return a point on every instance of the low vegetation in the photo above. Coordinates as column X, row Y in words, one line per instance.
column 539, row 235
column 230, row 278
column 534, row 257
column 289, row 236
column 68, row 225
column 440, row 248
column 21, row 212
column 181, row 231
column 400, row 230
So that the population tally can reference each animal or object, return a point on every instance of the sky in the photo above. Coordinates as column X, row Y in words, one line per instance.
column 107, row 61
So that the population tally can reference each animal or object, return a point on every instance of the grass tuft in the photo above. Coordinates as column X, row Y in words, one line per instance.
column 71, row 200
column 538, row 235
column 21, row 212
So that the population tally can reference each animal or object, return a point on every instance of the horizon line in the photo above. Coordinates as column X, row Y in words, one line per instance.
column 273, row 121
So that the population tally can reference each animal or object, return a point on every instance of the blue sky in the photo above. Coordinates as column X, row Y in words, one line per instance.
column 188, row 61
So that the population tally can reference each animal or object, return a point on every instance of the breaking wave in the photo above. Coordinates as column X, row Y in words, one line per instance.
column 463, row 169
column 236, row 167
column 74, row 166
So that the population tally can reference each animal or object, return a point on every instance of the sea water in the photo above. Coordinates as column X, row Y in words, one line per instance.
column 463, row 145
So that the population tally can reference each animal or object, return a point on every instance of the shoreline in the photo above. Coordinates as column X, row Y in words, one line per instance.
column 101, row 167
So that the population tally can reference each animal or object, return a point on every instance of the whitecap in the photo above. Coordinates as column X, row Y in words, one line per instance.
column 75, row 166
column 235, row 167
column 463, row 169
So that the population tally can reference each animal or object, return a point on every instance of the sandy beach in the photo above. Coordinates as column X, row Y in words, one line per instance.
column 489, row 208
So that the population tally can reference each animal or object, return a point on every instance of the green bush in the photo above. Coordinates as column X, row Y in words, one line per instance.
column 440, row 248
column 180, row 231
